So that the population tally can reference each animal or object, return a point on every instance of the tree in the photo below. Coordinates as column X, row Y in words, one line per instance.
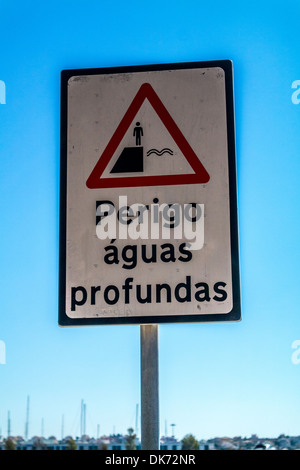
column 10, row 444
column 103, row 446
column 71, row 444
column 130, row 443
column 189, row 442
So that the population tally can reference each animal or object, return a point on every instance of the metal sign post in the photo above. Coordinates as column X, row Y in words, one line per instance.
column 149, row 387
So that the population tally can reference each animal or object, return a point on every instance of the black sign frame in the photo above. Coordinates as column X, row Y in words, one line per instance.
column 235, row 314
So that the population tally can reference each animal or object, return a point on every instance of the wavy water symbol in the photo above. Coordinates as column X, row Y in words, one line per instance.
column 160, row 152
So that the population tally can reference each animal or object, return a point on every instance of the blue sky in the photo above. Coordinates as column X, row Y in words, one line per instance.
column 215, row 379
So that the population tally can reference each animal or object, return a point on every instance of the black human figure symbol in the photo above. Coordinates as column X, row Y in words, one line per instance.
column 138, row 133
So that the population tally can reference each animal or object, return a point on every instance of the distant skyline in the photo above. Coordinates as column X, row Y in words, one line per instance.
column 216, row 379
column 83, row 421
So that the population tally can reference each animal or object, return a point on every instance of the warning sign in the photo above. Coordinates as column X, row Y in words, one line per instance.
column 148, row 224
column 131, row 159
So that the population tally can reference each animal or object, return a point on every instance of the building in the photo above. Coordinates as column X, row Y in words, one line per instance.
column 169, row 443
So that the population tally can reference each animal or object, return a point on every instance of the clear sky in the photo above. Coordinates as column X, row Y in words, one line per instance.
column 215, row 379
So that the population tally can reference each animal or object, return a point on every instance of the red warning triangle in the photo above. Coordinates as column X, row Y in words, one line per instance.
column 146, row 91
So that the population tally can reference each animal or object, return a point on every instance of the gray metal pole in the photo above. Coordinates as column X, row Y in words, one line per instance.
column 149, row 387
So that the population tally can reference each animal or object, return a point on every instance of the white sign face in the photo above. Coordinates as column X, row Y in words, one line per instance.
column 148, row 203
